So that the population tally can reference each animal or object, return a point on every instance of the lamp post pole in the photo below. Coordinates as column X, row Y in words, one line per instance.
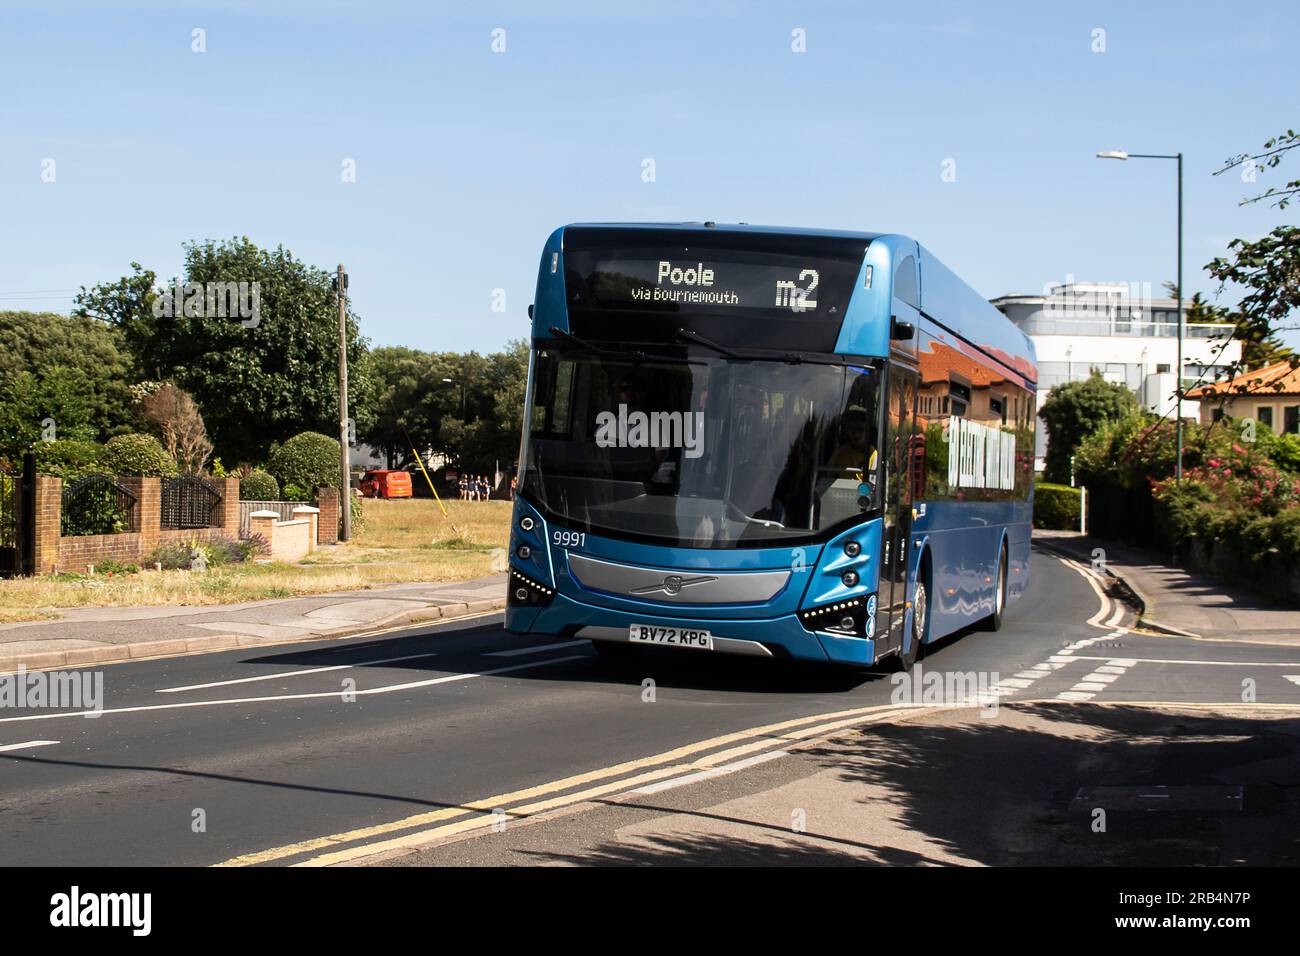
column 1178, row 281
column 345, row 464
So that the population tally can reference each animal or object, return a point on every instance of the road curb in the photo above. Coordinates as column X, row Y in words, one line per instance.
column 188, row 646
column 1129, row 593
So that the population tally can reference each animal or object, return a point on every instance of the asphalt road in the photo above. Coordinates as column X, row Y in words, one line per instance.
column 451, row 722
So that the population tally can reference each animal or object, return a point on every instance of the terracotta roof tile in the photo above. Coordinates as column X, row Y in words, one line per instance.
column 1276, row 379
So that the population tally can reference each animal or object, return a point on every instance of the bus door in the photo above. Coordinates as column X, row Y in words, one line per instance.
column 900, row 407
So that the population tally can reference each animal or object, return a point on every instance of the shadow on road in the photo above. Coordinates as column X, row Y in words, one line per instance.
column 1020, row 789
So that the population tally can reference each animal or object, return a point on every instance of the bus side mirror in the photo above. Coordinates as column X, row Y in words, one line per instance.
column 530, row 311
column 900, row 330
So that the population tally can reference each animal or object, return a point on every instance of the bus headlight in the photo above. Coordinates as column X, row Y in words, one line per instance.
column 839, row 617
column 525, row 592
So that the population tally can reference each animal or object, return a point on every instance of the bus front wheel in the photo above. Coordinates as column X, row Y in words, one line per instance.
column 904, row 659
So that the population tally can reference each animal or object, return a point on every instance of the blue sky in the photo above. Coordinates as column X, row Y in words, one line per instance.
column 466, row 158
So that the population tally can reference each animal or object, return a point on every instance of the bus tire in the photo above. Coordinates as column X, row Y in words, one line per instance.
column 994, row 621
column 903, row 660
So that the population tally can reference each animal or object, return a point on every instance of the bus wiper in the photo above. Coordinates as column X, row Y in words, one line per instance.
column 790, row 358
column 707, row 343
column 591, row 346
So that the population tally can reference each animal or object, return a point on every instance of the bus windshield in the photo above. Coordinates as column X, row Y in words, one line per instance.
column 698, row 449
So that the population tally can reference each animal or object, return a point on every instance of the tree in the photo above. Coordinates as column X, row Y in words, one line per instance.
column 1268, row 268
column 125, row 304
column 1271, row 157
column 468, row 407
column 55, row 405
column 258, row 378
column 71, row 371
column 399, row 381
column 173, row 414
column 1073, row 411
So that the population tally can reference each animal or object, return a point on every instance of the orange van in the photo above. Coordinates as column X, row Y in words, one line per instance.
column 386, row 484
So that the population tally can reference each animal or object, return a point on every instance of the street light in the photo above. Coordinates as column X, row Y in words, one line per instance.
column 452, row 381
column 1178, row 378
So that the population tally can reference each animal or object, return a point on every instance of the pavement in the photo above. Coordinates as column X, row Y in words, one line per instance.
column 106, row 634
column 453, row 739
column 1179, row 601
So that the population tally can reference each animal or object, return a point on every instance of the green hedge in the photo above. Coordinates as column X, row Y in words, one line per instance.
column 305, row 462
column 68, row 459
column 259, row 485
column 1056, row 507
column 138, row 455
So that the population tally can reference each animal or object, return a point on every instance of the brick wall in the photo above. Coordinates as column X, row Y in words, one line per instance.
column 77, row 553
column 287, row 540
column 49, row 496
column 327, row 500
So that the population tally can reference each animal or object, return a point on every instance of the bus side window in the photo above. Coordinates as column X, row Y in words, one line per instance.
column 905, row 282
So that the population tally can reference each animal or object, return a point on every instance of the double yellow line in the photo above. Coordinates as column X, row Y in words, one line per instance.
column 557, row 793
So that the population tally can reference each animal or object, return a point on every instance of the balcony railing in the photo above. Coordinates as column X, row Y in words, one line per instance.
column 1134, row 328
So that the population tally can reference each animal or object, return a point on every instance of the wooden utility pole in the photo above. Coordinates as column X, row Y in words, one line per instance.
column 345, row 469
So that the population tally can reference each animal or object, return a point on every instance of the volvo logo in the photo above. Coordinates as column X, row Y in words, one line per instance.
column 673, row 584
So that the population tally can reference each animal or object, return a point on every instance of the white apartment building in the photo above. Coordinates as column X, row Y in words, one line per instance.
column 1119, row 330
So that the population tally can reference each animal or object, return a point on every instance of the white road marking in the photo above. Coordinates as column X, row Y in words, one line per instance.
column 311, row 670
column 388, row 689
column 1130, row 661
column 1099, row 680
column 1293, row 678
column 1010, row 685
column 718, row 771
column 24, row 746
column 515, row 652
column 1106, row 603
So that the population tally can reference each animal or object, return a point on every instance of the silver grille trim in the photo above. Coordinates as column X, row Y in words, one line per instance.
column 677, row 587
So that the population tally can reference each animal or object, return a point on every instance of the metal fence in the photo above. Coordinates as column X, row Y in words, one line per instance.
column 283, row 508
column 97, row 504
column 18, row 517
column 189, row 502
column 8, row 521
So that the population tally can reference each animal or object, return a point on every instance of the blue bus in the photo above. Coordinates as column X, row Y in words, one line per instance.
column 787, row 443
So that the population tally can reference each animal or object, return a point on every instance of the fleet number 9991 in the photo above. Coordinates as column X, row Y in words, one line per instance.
column 568, row 539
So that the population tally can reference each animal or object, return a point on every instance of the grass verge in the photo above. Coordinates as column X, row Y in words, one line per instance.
column 399, row 542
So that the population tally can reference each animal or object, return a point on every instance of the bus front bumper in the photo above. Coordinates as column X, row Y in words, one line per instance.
column 779, row 637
